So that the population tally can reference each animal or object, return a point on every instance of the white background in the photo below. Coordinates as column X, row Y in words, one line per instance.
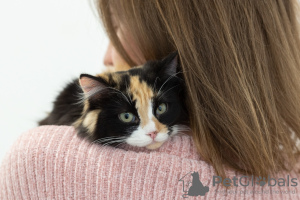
column 44, row 44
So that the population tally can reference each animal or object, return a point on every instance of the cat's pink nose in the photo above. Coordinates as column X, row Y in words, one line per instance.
column 152, row 134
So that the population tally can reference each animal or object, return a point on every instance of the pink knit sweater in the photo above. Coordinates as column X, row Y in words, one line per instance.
column 51, row 162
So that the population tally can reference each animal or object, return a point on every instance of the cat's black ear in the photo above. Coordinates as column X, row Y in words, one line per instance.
column 170, row 64
column 91, row 84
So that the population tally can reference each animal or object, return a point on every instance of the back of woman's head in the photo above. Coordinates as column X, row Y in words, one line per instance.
column 241, row 63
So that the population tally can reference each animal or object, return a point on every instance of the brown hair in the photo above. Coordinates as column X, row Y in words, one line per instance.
column 241, row 63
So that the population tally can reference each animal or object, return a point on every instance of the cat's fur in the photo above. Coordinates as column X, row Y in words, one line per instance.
column 138, row 91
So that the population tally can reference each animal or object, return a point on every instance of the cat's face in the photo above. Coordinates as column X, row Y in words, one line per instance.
column 142, row 107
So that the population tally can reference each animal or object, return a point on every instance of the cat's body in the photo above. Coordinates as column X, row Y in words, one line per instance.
column 142, row 107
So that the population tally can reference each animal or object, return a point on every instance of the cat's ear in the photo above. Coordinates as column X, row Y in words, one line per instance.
column 170, row 64
column 91, row 84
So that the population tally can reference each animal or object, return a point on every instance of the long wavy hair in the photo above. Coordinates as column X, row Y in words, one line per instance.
column 241, row 64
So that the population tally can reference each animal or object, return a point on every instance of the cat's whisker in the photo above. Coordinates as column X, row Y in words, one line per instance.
column 113, row 138
column 120, row 144
column 89, row 96
column 111, row 142
column 85, row 96
column 154, row 87
column 172, row 76
column 127, row 91
column 120, row 93
column 103, row 142
column 180, row 129
column 79, row 96
column 93, row 91
column 82, row 97
column 108, row 139
column 160, row 96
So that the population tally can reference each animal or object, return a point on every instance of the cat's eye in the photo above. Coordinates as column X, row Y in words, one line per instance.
column 161, row 109
column 127, row 117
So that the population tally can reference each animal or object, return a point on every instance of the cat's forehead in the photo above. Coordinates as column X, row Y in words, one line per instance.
column 116, row 80
column 139, row 89
column 136, row 77
column 135, row 82
column 114, row 77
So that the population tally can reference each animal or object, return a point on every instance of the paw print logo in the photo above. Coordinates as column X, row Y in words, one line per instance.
column 260, row 181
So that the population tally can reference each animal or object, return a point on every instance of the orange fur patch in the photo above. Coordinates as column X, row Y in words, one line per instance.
column 142, row 94
column 116, row 78
column 78, row 122
column 90, row 120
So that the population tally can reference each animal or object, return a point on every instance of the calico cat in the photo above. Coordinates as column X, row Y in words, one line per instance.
column 142, row 107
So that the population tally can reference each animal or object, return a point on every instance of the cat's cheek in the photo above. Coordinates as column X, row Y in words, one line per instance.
column 161, row 137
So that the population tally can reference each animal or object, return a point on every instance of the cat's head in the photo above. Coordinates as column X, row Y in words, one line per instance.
column 141, row 107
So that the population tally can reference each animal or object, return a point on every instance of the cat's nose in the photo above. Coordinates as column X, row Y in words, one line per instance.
column 152, row 134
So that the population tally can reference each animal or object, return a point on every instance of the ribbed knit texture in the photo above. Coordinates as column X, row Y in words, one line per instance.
column 51, row 162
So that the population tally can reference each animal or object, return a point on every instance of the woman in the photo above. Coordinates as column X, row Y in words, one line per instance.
column 241, row 66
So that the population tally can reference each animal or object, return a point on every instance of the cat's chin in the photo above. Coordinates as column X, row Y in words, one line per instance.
column 154, row 145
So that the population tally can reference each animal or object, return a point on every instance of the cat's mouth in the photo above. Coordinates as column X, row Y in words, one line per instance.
column 154, row 145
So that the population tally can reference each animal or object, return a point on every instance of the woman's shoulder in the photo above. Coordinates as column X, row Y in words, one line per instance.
column 55, row 138
column 53, row 162
column 53, row 159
